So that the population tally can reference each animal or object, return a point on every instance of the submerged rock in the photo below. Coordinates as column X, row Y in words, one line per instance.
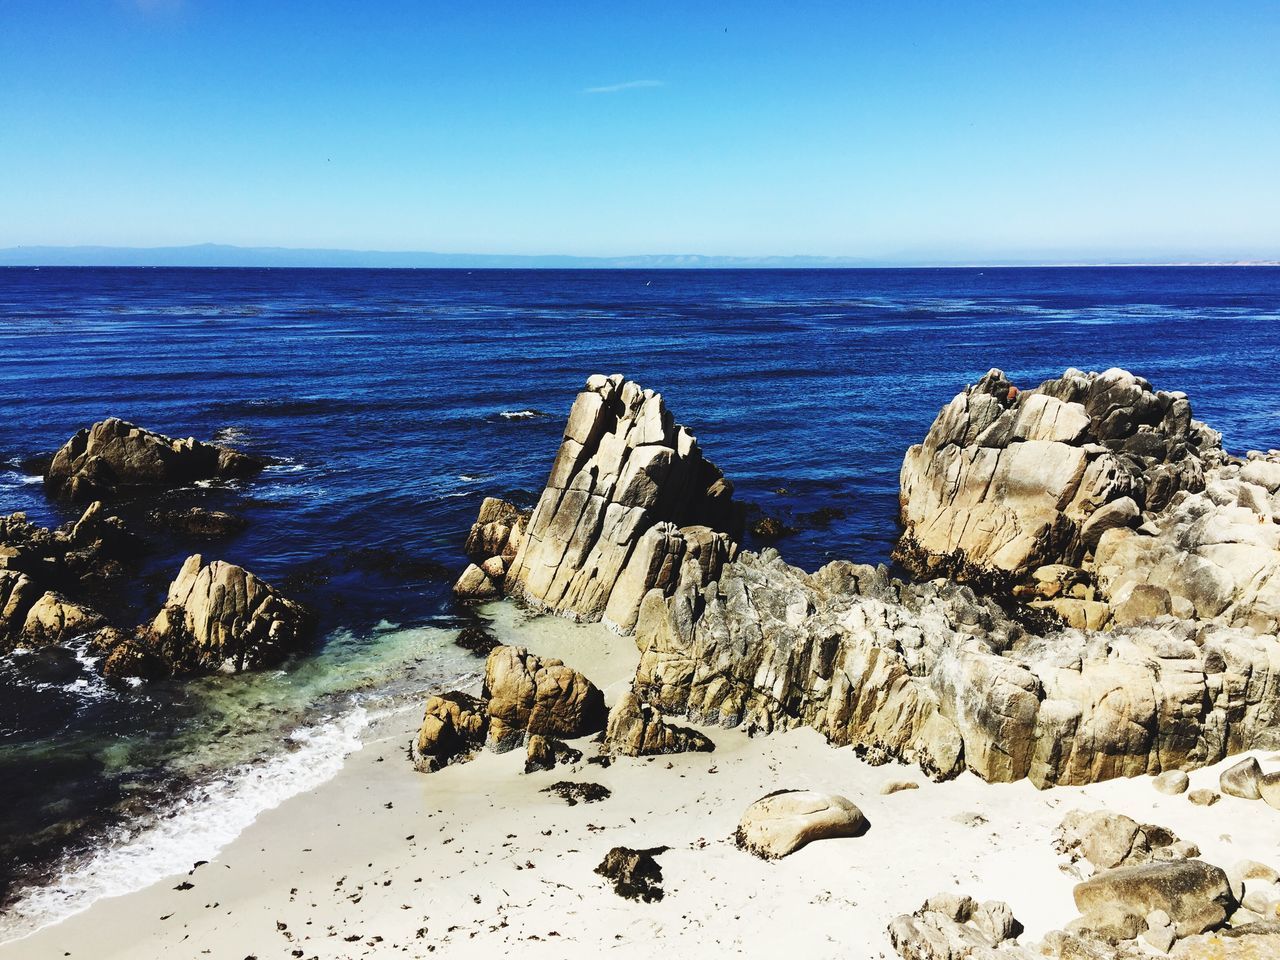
column 781, row 823
column 113, row 455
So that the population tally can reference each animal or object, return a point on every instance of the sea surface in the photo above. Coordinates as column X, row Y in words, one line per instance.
column 393, row 401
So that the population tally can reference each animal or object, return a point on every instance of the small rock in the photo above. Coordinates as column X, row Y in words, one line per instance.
column 636, row 875
column 897, row 786
column 1204, row 797
column 1172, row 782
column 573, row 793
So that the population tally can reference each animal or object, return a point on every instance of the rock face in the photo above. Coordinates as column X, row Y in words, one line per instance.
column 453, row 725
column 783, row 822
column 931, row 674
column 221, row 617
column 113, row 455
column 635, row 730
column 630, row 505
column 526, row 694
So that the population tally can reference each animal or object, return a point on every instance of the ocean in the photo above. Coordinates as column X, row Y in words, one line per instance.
column 393, row 401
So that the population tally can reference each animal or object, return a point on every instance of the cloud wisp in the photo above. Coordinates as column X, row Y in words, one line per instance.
column 629, row 85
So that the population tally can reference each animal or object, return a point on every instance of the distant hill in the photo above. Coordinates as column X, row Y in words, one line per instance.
column 222, row 255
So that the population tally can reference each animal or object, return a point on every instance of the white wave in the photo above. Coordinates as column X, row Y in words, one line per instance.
column 196, row 827
column 521, row 414
column 287, row 466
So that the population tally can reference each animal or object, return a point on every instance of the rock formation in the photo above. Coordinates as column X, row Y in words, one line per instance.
column 528, row 695
column 219, row 616
column 492, row 544
column 781, row 823
column 1100, row 840
column 454, row 725
column 636, row 730
column 113, row 455
column 630, row 505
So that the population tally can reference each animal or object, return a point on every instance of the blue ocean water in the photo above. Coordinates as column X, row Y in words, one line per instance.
column 395, row 400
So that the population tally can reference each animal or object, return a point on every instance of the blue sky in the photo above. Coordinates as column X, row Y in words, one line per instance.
column 912, row 131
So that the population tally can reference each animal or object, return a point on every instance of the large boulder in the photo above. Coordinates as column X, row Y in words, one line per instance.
column 1195, row 895
column 219, row 616
column 529, row 695
column 55, row 619
column 18, row 594
column 1105, row 840
column 630, row 505
column 781, row 823
column 453, row 726
column 1007, row 480
column 113, row 455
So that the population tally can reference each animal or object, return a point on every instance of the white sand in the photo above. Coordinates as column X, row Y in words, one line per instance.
column 474, row 861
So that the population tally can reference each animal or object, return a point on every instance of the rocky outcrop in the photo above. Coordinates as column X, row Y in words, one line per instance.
column 112, row 456
column 931, row 673
column 220, row 617
column 781, row 823
column 636, row 730
column 630, row 505
column 454, row 725
column 529, row 695
column 55, row 619
column 1007, row 481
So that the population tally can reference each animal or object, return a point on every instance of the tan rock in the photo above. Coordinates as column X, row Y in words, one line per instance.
column 781, row 823
column 526, row 694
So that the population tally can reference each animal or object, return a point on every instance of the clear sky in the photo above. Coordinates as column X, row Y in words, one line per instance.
column 901, row 130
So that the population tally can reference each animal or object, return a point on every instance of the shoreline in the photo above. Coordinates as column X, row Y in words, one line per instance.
column 496, row 866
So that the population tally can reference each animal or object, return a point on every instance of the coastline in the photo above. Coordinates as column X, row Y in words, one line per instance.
column 495, row 866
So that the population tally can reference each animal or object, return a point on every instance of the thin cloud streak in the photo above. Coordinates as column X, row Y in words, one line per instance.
column 629, row 85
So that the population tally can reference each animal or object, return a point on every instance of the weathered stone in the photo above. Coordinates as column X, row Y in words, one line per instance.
column 453, row 726
column 113, row 455
column 526, row 694
column 635, row 729
column 219, row 616
column 1110, row 922
column 781, row 823
column 475, row 584
column 1144, row 602
column 951, row 927
column 1269, row 789
column 544, row 753
column 897, row 786
column 55, row 619
column 1193, row 893
column 1106, row 840
column 1204, row 797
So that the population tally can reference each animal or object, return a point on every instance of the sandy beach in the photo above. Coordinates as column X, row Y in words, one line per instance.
column 477, row 861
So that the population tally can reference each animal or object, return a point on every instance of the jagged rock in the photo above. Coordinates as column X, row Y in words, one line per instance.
column 634, row 730
column 1203, row 797
column 497, row 532
column 113, row 455
column 1194, row 894
column 526, row 694
column 543, row 753
column 951, row 927
column 453, row 726
column 1008, row 480
column 781, row 823
column 55, row 619
column 1241, row 779
column 636, row 875
column 630, row 505
column 126, row 658
column 18, row 594
column 1172, row 782
column 219, row 616
column 1106, row 840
